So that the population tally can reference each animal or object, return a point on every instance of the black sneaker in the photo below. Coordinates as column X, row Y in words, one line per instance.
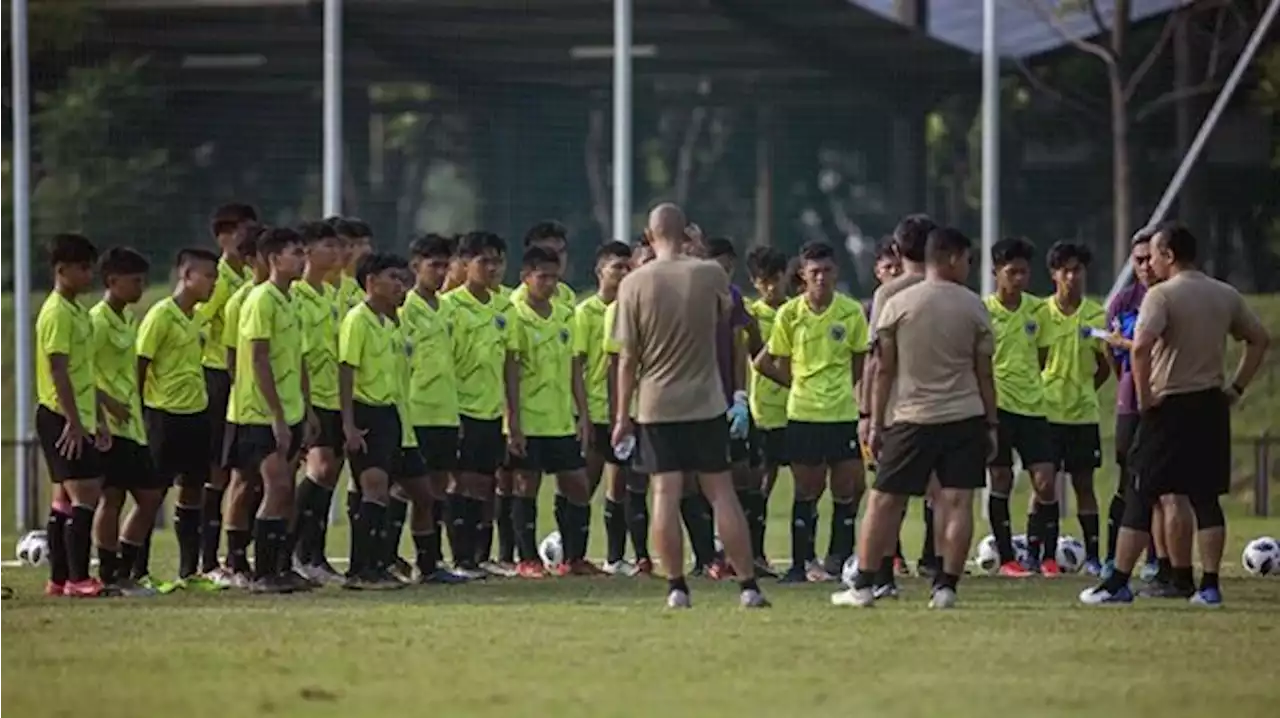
column 795, row 574
column 298, row 582
column 273, row 584
column 441, row 577
column 1164, row 589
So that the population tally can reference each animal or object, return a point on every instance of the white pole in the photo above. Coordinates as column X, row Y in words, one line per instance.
column 22, row 259
column 332, row 107
column 990, row 142
column 1202, row 135
column 622, row 120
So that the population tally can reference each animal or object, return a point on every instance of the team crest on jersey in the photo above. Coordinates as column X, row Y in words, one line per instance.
column 837, row 332
column 1031, row 328
column 564, row 336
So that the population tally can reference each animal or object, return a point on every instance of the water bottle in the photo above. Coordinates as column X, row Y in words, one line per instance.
column 622, row 450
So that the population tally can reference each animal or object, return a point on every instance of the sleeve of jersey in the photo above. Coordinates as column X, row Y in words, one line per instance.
column 580, row 326
column 1046, row 333
column 55, row 334
column 256, row 317
column 351, row 340
column 217, row 300
column 780, row 337
column 860, row 333
column 231, row 326
column 100, row 339
column 149, row 335
column 1096, row 319
column 513, row 334
column 606, row 330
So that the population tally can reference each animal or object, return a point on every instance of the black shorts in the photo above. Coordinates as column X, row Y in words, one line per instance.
column 956, row 451
column 88, row 465
column 381, row 426
column 770, row 445
column 549, row 455
column 174, row 440
column 218, row 383
column 330, row 435
column 481, row 446
column 812, row 443
column 1076, row 447
column 410, row 465
column 127, row 466
column 1183, row 446
column 602, row 443
column 248, row 445
column 438, row 446
column 689, row 446
column 1027, row 435
column 1126, row 427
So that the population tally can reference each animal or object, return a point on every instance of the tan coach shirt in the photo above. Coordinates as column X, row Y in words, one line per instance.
column 666, row 318
column 939, row 328
column 1192, row 314
column 886, row 291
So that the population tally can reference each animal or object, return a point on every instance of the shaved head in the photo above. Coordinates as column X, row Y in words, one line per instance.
column 667, row 223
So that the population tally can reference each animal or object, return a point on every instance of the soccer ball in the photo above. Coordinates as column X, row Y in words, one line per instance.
column 33, row 549
column 1021, row 553
column 551, row 550
column 849, row 570
column 719, row 549
column 987, row 557
column 1070, row 554
column 1262, row 556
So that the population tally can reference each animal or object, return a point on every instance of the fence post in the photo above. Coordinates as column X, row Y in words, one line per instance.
column 34, row 510
column 1262, row 476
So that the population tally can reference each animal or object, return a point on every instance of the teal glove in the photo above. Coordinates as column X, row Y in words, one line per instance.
column 739, row 416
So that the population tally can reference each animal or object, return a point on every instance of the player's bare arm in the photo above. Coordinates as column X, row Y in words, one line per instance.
column 352, row 434
column 266, row 379
column 580, row 401
column 777, row 369
column 73, row 433
column 511, row 381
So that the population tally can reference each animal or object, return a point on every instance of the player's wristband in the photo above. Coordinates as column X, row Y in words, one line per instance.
column 864, row 415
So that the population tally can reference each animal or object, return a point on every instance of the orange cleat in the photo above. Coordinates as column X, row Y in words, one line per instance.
column 1049, row 569
column 720, row 571
column 644, row 567
column 531, row 569
column 1013, row 569
column 54, row 589
column 88, row 588
column 583, row 567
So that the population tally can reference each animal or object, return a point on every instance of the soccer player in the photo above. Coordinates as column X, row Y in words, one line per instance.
column 230, row 224
column 481, row 321
column 1022, row 340
column 126, row 465
column 356, row 239
column 318, row 309
column 1074, row 370
column 933, row 415
column 613, row 262
column 69, row 424
column 175, row 398
column 1182, row 450
column 667, row 318
column 553, row 237
column 271, row 405
column 368, row 386
column 548, row 423
column 816, row 349
column 768, row 398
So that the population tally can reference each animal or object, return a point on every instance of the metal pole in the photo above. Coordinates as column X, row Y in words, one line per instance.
column 990, row 142
column 622, row 120
column 332, row 107
column 27, row 512
column 1202, row 136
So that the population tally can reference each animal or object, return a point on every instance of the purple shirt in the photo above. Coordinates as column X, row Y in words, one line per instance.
column 725, row 332
column 1122, row 312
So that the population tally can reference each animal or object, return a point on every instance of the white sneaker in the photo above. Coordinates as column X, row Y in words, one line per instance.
column 322, row 574
column 816, row 573
column 241, row 581
column 943, row 598
column 856, row 597
column 499, row 569
column 752, row 598
column 620, row 568
column 220, row 577
column 679, row 599
column 888, row 590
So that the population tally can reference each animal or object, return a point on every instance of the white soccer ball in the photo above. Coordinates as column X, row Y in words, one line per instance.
column 551, row 550
column 1070, row 554
column 849, row 570
column 719, row 548
column 33, row 549
column 1262, row 556
column 1021, row 552
column 987, row 556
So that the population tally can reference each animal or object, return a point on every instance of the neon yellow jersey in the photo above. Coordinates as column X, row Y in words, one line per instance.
column 319, row 313
column 822, row 347
column 588, row 343
column 544, row 348
column 367, row 342
column 212, row 313
column 267, row 314
column 502, row 291
column 1069, row 394
column 1019, row 336
column 115, row 367
column 171, row 341
column 481, row 338
column 564, row 295
column 350, row 294
column 433, row 388
column 231, row 317
column 612, row 348
column 63, row 327
column 768, row 398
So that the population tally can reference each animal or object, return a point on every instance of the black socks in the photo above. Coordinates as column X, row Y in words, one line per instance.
column 210, row 528
column 1001, row 526
column 186, row 524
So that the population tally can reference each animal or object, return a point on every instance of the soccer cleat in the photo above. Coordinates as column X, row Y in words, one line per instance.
column 1100, row 595
column 621, row 567
column 1149, row 571
column 1049, row 569
column 815, row 573
column 764, row 569
column 1207, row 597
column 900, row 566
column 132, row 589
column 499, row 569
column 679, row 599
column 943, row 598
column 298, row 582
column 1012, row 569
column 321, row 574
column 1092, row 567
column 855, row 597
column 242, row 580
column 274, row 584
column 442, row 577
column 88, row 588
column 927, row 567
column 887, row 590
column 402, row 568
column 795, row 574
column 644, row 567
column 583, row 567
column 200, row 583
column 752, row 598
column 54, row 589
column 719, row 570
column 531, row 569
column 220, row 576
column 470, row 570
column 1164, row 589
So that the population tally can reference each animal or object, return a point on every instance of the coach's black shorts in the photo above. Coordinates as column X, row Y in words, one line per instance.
column 690, row 446
column 410, row 464
column 330, row 432
column 248, row 445
column 1076, row 447
column 438, row 446
column 88, row 465
column 602, row 443
column 218, row 383
column 1027, row 435
column 549, row 455
column 1183, row 446
column 127, row 466
column 812, row 443
column 381, row 427
column 1126, row 427
column 481, row 446
column 956, row 451
column 177, row 443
